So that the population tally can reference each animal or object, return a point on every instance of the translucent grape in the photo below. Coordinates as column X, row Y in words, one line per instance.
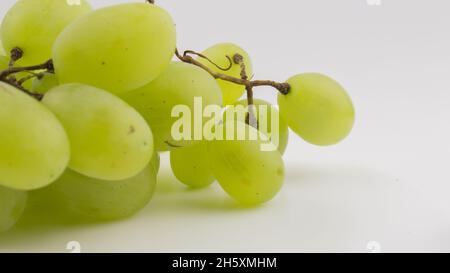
column 318, row 109
column 45, row 83
column 245, row 172
column 265, row 122
column 180, row 84
column 118, row 48
column 218, row 54
column 34, row 25
column 12, row 205
column 75, row 197
column 34, row 148
column 109, row 139
column 191, row 165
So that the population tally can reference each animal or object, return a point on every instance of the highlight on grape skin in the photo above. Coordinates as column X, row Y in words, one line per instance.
column 89, row 98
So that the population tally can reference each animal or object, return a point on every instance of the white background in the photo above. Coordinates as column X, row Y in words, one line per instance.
column 389, row 182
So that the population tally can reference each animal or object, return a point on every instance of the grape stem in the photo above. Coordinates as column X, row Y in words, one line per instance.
column 251, row 117
column 283, row 88
column 8, row 75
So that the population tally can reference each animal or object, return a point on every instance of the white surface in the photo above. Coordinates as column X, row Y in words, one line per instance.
column 388, row 182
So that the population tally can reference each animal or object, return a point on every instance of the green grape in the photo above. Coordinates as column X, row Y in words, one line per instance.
column 218, row 54
column 180, row 84
column 263, row 115
column 12, row 205
column 33, row 26
column 118, row 48
column 43, row 84
column 246, row 172
column 34, row 148
column 109, row 139
column 191, row 166
column 78, row 198
column 318, row 109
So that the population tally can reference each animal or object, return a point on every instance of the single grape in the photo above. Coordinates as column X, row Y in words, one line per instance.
column 117, row 48
column 109, row 139
column 231, row 92
column 34, row 148
column 12, row 205
column 191, row 166
column 43, row 84
column 180, row 84
column 263, row 115
column 246, row 172
column 34, row 25
column 318, row 109
column 78, row 198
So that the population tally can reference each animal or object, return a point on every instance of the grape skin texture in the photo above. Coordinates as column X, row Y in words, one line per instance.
column 12, row 205
column 231, row 92
column 318, row 109
column 191, row 166
column 118, row 48
column 34, row 147
column 78, row 198
column 246, row 173
column 109, row 139
column 34, row 25
column 178, row 85
column 43, row 85
column 283, row 128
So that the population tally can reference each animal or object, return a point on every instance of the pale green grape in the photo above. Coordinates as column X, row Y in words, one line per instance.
column 218, row 54
column 318, row 109
column 34, row 148
column 75, row 197
column 109, row 139
column 246, row 172
column 45, row 83
column 34, row 25
column 263, row 114
column 180, row 84
column 191, row 165
column 117, row 48
column 12, row 205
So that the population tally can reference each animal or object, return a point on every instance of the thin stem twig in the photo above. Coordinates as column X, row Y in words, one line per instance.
column 283, row 88
column 251, row 118
column 48, row 65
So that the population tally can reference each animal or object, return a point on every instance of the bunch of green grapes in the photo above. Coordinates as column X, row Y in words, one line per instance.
column 80, row 134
